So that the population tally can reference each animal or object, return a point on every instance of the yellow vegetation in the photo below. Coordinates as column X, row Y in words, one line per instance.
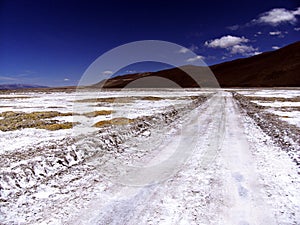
column 151, row 98
column 120, row 99
column 18, row 120
column 14, row 97
column 56, row 126
column 114, row 121
column 108, row 100
column 285, row 116
column 273, row 99
column 98, row 113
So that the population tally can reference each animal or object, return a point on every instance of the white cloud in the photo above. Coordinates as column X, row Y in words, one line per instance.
column 275, row 33
column 226, row 41
column 183, row 50
column 258, row 33
column 297, row 11
column 278, row 33
column 6, row 78
column 130, row 71
column 273, row 17
column 196, row 58
column 256, row 53
column 66, row 79
column 297, row 28
column 107, row 72
column 235, row 45
column 275, row 47
column 234, row 27
column 242, row 49
column 193, row 48
column 278, row 16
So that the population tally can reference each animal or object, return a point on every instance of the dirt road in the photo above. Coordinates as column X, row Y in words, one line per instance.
column 233, row 175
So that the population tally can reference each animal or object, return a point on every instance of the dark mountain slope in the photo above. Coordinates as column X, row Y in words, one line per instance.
column 280, row 68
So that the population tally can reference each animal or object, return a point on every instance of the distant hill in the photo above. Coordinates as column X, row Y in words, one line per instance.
column 279, row 68
column 19, row 86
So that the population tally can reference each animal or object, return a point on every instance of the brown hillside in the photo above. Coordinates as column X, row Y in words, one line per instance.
column 280, row 68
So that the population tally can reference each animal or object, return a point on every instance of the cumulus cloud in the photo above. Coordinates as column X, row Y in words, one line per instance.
column 234, row 44
column 277, row 16
column 273, row 17
column 297, row 28
column 107, row 72
column 242, row 49
column 226, row 42
column 297, row 11
column 194, row 59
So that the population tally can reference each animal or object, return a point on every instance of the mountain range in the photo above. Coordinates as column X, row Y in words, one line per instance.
column 278, row 68
column 19, row 86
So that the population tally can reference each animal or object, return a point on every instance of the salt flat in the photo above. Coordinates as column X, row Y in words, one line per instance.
column 189, row 156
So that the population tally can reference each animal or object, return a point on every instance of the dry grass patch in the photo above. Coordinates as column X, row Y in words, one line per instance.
column 154, row 98
column 120, row 99
column 131, row 99
column 290, row 108
column 56, row 126
column 55, row 107
column 18, row 120
column 273, row 99
column 33, row 115
column 14, row 97
column 114, row 121
column 108, row 100
column 285, row 116
column 98, row 113
column 151, row 98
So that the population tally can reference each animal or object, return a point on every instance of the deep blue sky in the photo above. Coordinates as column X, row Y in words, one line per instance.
column 53, row 42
